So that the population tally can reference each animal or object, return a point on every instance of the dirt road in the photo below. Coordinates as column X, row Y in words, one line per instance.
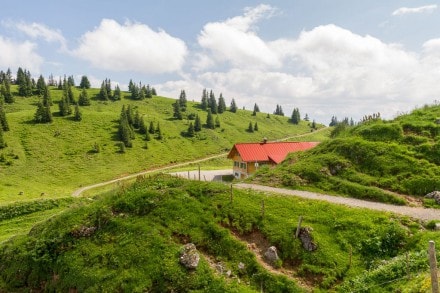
column 424, row 214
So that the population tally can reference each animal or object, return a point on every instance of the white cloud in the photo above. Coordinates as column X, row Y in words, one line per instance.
column 38, row 30
column 14, row 55
column 236, row 42
column 131, row 47
column 415, row 10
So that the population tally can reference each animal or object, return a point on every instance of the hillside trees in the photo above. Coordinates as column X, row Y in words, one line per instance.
column 3, row 122
column 83, row 98
column 256, row 110
column 105, row 92
column 43, row 113
column 85, row 83
column 233, row 108
column 197, row 124
column 296, row 116
column 221, row 104
column 279, row 111
column 64, row 104
column 24, row 83
column 41, row 85
column 210, row 120
column 125, row 131
column 2, row 140
column 78, row 115
column 5, row 91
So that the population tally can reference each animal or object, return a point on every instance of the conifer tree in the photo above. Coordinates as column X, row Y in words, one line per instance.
column 83, row 99
column 3, row 122
column 136, row 120
column 103, row 94
column 197, row 124
column 217, row 121
column 296, row 117
column 71, row 81
column 153, row 92
column 70, row 95
column 78, row 114
column 2, row 140
column 151, row 128
column 221, row 104
column 130, row 115
column 191, row 131
column 43, row 114
column 212, row 103
column 64, row 105
column 147, row 136
column 5, row 91
column 159, row 132
column 250, row 127
column 142, row 127
column 60, row 84
column 306, row 118
column 210, row 120
column 41, row 85
column 47, row 99
column 233, row 107
column 142, row 93
column 85, row 83
column 256, row 126
column 125, row 131
column 204, row 102
column 313, row 124
column 116, row 93
column 148, row 92
column 182, row 101
column 176, row 111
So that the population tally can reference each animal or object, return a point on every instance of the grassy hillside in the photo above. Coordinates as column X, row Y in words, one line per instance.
column 59, row 157
column 374, row 160
column 130, row 239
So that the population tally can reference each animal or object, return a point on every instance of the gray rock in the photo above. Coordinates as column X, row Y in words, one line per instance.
column 435, row 195
column 189, row 257
column 241, row 266
column 271, row 255
column 306, row 239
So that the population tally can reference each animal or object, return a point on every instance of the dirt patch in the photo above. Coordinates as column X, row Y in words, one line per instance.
column 258, row 244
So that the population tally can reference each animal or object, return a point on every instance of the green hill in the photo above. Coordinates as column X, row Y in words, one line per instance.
column 375, row 160
column 130, row 240
column 56, row 158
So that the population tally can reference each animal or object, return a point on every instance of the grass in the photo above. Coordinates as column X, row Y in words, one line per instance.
column 375, row 160
column 57, row 158
column 162, row 213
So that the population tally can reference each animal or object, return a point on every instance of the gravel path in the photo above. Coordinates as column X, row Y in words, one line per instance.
column 424, row 214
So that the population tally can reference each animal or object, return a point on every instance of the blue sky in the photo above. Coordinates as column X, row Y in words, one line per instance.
column 344, row 58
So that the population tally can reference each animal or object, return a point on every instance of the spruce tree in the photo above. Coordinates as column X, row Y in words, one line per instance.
column 159, row 132
column 151, row 128
column 71, row 81
column 142, row 127
column 5, row 90
column 83, row 99
column 47, row 99
column 130, row 115
column 191, row 131
column 313, row 124
column 296, row 117
column 64, row 105
column 41, row 85
column 233, row 107
column 176, row 111
column 103, row 95
column 2, row 140
column 221, row 104
column 116, row 93
column 256, row 126
column 210, row 120
column 153, row 92
column 204, row 102
column 182, row 101
column 212, row 102
column 136, row 120
column 78, row 115
column 3, row 122
column 148, row 92
column 70, row 95
column 40, row 113
column 250, row 127
column 142, row 93
column 85, row 83
column 217, row 121
column 197, row 124
column 125, row 131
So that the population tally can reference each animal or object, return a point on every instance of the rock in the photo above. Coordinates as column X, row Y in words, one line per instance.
column 241, row 266
column 219, row 267
column 83, row 231
column 229, row 273
column 435, row 195
column 189, row 257
column 437, row 227
column 306, row 239
column 271, row 255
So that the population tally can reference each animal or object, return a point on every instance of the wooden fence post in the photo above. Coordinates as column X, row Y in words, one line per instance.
column 299, row 226
column 199, row 172
column 231, row 194
column 433, row 267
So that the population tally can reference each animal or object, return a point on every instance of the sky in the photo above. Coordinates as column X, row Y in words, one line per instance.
column 340, row 58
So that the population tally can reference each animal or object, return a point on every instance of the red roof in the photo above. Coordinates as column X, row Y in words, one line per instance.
column 269, row 151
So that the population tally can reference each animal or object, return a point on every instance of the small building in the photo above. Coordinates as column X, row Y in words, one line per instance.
column 248, row 157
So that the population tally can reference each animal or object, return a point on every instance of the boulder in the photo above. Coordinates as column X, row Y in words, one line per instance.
column 271, row 255
column 435, row 195
column 306, row 239
column 189, row 257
